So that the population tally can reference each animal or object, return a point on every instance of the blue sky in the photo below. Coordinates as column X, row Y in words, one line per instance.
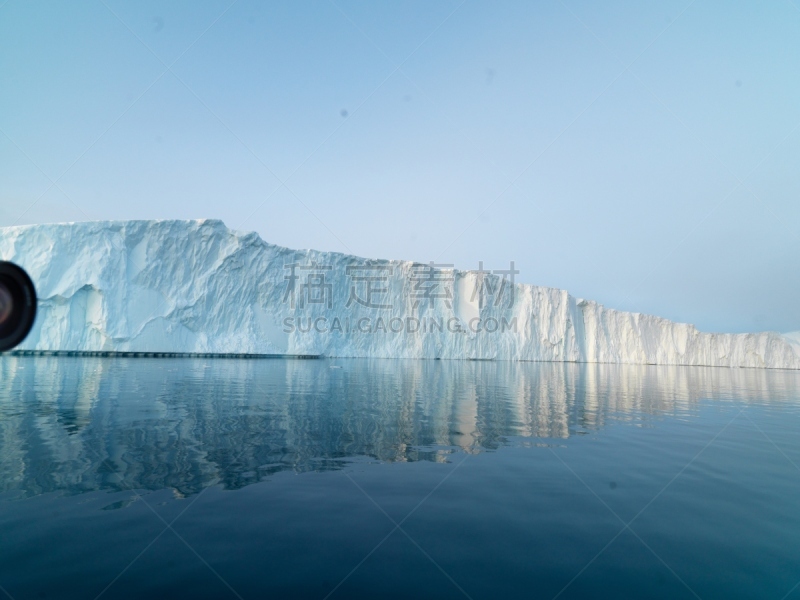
column 644, row 155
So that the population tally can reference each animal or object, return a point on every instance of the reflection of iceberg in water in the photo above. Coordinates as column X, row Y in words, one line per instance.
column 81, row 424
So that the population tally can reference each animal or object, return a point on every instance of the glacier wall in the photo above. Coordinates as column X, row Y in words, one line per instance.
column 199, row 287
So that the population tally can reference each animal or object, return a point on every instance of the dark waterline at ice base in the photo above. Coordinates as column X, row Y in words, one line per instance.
column 193, row 478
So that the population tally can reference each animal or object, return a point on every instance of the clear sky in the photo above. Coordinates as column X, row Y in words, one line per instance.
column 642, row 154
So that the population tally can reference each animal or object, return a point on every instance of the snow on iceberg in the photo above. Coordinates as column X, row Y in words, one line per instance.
column 199, row 287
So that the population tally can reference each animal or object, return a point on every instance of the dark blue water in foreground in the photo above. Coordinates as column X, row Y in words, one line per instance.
column 181, row 478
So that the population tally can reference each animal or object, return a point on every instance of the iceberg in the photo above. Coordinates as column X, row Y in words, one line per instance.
column 198, row 287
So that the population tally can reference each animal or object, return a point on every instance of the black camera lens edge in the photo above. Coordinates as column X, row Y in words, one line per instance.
column 16, row 325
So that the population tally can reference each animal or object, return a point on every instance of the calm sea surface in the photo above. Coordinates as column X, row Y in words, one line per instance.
column 188, row 478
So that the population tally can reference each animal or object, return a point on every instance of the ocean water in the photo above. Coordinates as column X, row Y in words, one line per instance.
column 188, row 478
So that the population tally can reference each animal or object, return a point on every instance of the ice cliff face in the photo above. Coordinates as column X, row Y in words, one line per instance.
column 197, row 286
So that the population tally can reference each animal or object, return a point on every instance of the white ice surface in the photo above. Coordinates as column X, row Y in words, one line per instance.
column 197, row 286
